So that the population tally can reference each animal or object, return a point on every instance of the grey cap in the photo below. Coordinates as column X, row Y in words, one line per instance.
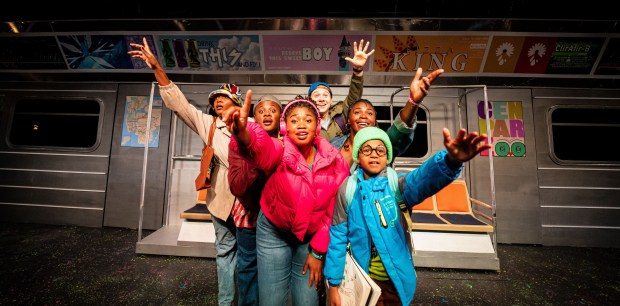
column 268, row 98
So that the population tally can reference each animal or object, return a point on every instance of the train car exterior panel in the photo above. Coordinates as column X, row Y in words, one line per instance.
column 56, row 184
column 54, row 180
column 579, row 196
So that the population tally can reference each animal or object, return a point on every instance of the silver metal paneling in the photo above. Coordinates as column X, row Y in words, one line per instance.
column 580, row 197
column 38, row 161
column 53, row 180
column 580, row 217
column 579, row 202
column 52, row 197
column 64, row 215
column 51, row 185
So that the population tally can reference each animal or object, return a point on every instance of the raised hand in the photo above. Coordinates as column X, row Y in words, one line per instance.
column 144, row 53
column 420, row 86
column 236, row 118
column 359, row 55
column 464, row 146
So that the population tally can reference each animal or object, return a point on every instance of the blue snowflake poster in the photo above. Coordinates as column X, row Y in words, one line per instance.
column 95, row 51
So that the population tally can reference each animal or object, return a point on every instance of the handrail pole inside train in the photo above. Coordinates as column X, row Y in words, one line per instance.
column 145, row 161
column 491, row 169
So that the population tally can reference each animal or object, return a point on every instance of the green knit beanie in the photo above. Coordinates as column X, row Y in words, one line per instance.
column 370, row 133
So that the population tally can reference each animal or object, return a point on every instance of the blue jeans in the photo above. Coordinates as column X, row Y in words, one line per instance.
column 281, row 259
column 247, row 273
column 226, row 259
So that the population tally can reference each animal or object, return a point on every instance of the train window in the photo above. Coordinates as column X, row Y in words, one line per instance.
column 55, row 123
column 419, row 147
column 577, row 132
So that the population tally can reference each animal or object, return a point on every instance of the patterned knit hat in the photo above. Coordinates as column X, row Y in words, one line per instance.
column 229, row 90
column 370, row 133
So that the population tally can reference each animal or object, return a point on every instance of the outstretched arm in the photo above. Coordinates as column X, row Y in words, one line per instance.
column 144, row 53
column 418, row 90
column 356, row 87
column 464, row 146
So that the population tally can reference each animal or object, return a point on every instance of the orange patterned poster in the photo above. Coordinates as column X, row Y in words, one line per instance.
column 503, row 54
column 405, row 53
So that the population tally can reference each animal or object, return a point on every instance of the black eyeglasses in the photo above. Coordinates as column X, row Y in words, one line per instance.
column 367, row 150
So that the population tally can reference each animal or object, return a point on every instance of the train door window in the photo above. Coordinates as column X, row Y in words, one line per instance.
column 58, row 123
column 580, row 133
column 419, row 147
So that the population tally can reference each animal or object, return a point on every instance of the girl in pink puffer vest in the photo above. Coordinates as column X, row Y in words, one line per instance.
column 297, row 202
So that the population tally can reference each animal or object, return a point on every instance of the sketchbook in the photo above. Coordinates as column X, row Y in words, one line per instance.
column 357, row 288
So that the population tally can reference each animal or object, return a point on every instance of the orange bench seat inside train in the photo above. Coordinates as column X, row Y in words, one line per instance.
column 450, row 209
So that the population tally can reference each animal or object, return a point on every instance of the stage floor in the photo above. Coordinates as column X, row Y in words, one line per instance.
column 66, row 265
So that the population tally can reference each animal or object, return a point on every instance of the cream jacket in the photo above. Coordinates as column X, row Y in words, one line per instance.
column 219, row 198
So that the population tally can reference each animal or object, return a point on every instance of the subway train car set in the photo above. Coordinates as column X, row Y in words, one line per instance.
column 87, row 141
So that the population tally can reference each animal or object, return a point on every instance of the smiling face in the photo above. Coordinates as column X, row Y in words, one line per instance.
column 221, row 103
column 372, row 164
column 268, row 114
column 322, row 98
column 301, row 124
column 361, row 114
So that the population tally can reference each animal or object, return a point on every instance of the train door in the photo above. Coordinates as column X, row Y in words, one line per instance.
column 127, row 154
column 514, row 161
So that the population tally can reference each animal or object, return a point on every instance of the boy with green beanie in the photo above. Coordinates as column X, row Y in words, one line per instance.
column 370, row 224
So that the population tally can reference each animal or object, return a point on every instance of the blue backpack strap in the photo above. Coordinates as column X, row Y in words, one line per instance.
column 393, row 181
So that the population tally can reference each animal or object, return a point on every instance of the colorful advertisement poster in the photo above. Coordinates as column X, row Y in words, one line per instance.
column 135, row 122
column 311, row 52
column 503, row 54
column 574, row 55
column 535, row 54
column 405, row 53
column 210, row 53
column 507, row 134
column 95, row 51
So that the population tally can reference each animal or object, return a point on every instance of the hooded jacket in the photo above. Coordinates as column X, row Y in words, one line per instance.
column 359, row 224
column 296, row 199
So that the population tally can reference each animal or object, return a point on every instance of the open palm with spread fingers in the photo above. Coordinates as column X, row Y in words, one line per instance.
column 359, row 54
column 464, row 146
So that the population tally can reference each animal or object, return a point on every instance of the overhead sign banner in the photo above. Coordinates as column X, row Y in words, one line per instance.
column 405, row 53
column 311, row 52
column 210, row 52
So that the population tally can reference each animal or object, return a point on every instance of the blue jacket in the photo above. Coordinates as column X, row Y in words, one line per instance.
column 359, row 223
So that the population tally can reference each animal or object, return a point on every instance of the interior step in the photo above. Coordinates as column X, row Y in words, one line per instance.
column 191, row 238
column 164, row 241
column 454, row 250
